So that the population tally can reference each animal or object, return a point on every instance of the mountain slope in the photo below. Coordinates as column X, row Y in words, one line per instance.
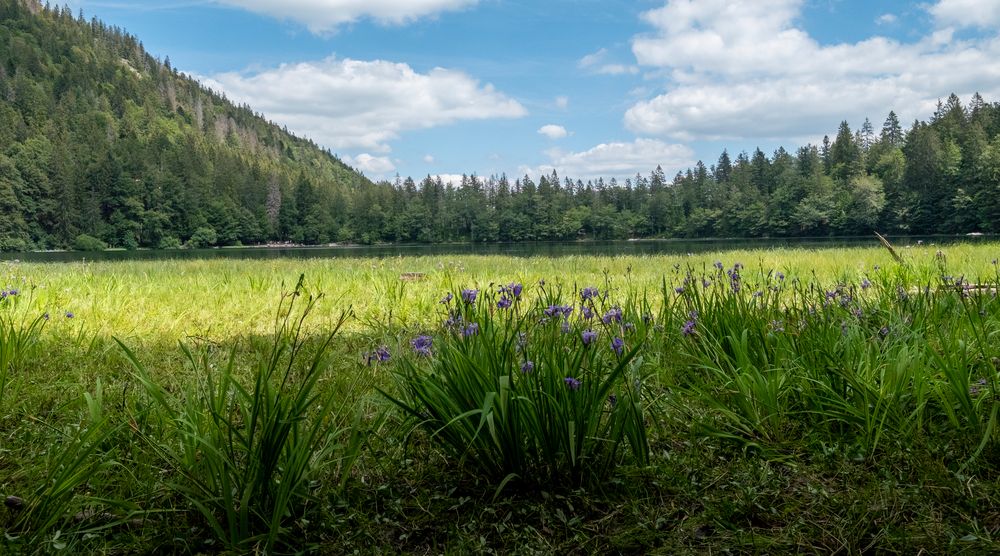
column 98, row 137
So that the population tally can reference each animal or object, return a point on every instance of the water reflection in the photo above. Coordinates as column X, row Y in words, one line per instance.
column 528, row 249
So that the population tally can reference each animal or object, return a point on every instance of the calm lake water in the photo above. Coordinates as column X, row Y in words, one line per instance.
column 539, row 249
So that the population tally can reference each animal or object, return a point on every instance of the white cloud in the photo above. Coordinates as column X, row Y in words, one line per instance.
column 553, row 131
column 886, row 19
column 322, row 16
column 967, row 13
column 371, row 165
column 429, row 159
column 619, row 160
column 742, row 69
column 562, row 102
column 597, row 62
column 348, row 104
column 453, row 179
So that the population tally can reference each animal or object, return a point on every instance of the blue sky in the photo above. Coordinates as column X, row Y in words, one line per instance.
column 586, row 87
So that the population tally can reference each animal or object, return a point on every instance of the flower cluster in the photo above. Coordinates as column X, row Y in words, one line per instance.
column 380, row 355
column 422, row 345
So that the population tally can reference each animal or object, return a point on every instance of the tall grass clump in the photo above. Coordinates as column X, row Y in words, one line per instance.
column 854, row 364
column 59, row 511
column 248, row 448
column 18, row 337
column 530, row 391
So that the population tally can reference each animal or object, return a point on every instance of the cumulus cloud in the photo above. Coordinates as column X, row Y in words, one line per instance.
column 355, row 104
column 322, row 16
column 553, row 131
column 371, row 165
column 619, row 160
column 743, row 69
column 967, row 13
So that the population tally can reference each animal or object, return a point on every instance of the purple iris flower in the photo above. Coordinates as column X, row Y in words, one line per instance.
column 469, row 296
column 515, row 288
column 717, row 265
column 587, row 312
column 589, row 292
column 69, row 314
column 866, row 283
column 689, row 327
column 470, row 330
column 588, row 337
column 618, row 345
column 527, row 367
column 422, row 345
column 447, row 298
column 504, row 302
column 572, row 383
column 615, row 314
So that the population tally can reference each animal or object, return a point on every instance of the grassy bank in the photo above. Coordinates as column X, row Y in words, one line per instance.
column 811, row 400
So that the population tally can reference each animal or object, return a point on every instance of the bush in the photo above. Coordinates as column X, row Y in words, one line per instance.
column 203, row 237
column 169, row 242
column 85, row 242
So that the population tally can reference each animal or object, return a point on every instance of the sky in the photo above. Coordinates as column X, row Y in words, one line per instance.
column 588, row 88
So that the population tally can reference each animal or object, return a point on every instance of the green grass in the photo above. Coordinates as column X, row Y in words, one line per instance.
column 824, row 415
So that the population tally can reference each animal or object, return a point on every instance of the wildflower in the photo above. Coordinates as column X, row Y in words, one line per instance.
column 758, row 293
column 558, row 310
column 705, row 283
column 13, row 292
column 717, row 265
column 504, row 302
column 527, row 367
column 618, row 345
column 382, row 353
column 572, row 383
column 587, row 312
column 689, row 328
column 565, row 327
column 588, row 336
column 469, row 296
column 589, row 292
column 679, row 289
column 866, row 283
column 884, row 331
column 522, row 340
column 69, row 314
column 629, row 327
column 422, row 345
column 615, row 314
column 514, row 288
column 45, row 316
column 447, row 298
column 470, row 330
column 781, row 276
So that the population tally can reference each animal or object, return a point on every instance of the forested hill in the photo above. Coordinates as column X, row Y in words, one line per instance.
column 99, row 138
column 101, row 143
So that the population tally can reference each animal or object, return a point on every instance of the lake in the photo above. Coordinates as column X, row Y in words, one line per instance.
column 525, row 249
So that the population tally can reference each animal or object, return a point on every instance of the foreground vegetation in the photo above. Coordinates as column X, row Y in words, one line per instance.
column 840, row 400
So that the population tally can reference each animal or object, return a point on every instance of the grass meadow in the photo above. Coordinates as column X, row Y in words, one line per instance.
column 820, row 401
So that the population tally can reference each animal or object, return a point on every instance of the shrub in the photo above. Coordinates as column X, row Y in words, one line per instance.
column 84, row 242
column 203, row 237
column 169, row 242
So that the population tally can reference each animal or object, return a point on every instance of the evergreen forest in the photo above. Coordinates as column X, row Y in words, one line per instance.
column 103, row 144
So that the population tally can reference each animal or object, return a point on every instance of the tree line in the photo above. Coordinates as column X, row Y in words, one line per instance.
column 103, row 144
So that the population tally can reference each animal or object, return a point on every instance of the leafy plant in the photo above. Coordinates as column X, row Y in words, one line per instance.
column 248, row 453
column 529, row 391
